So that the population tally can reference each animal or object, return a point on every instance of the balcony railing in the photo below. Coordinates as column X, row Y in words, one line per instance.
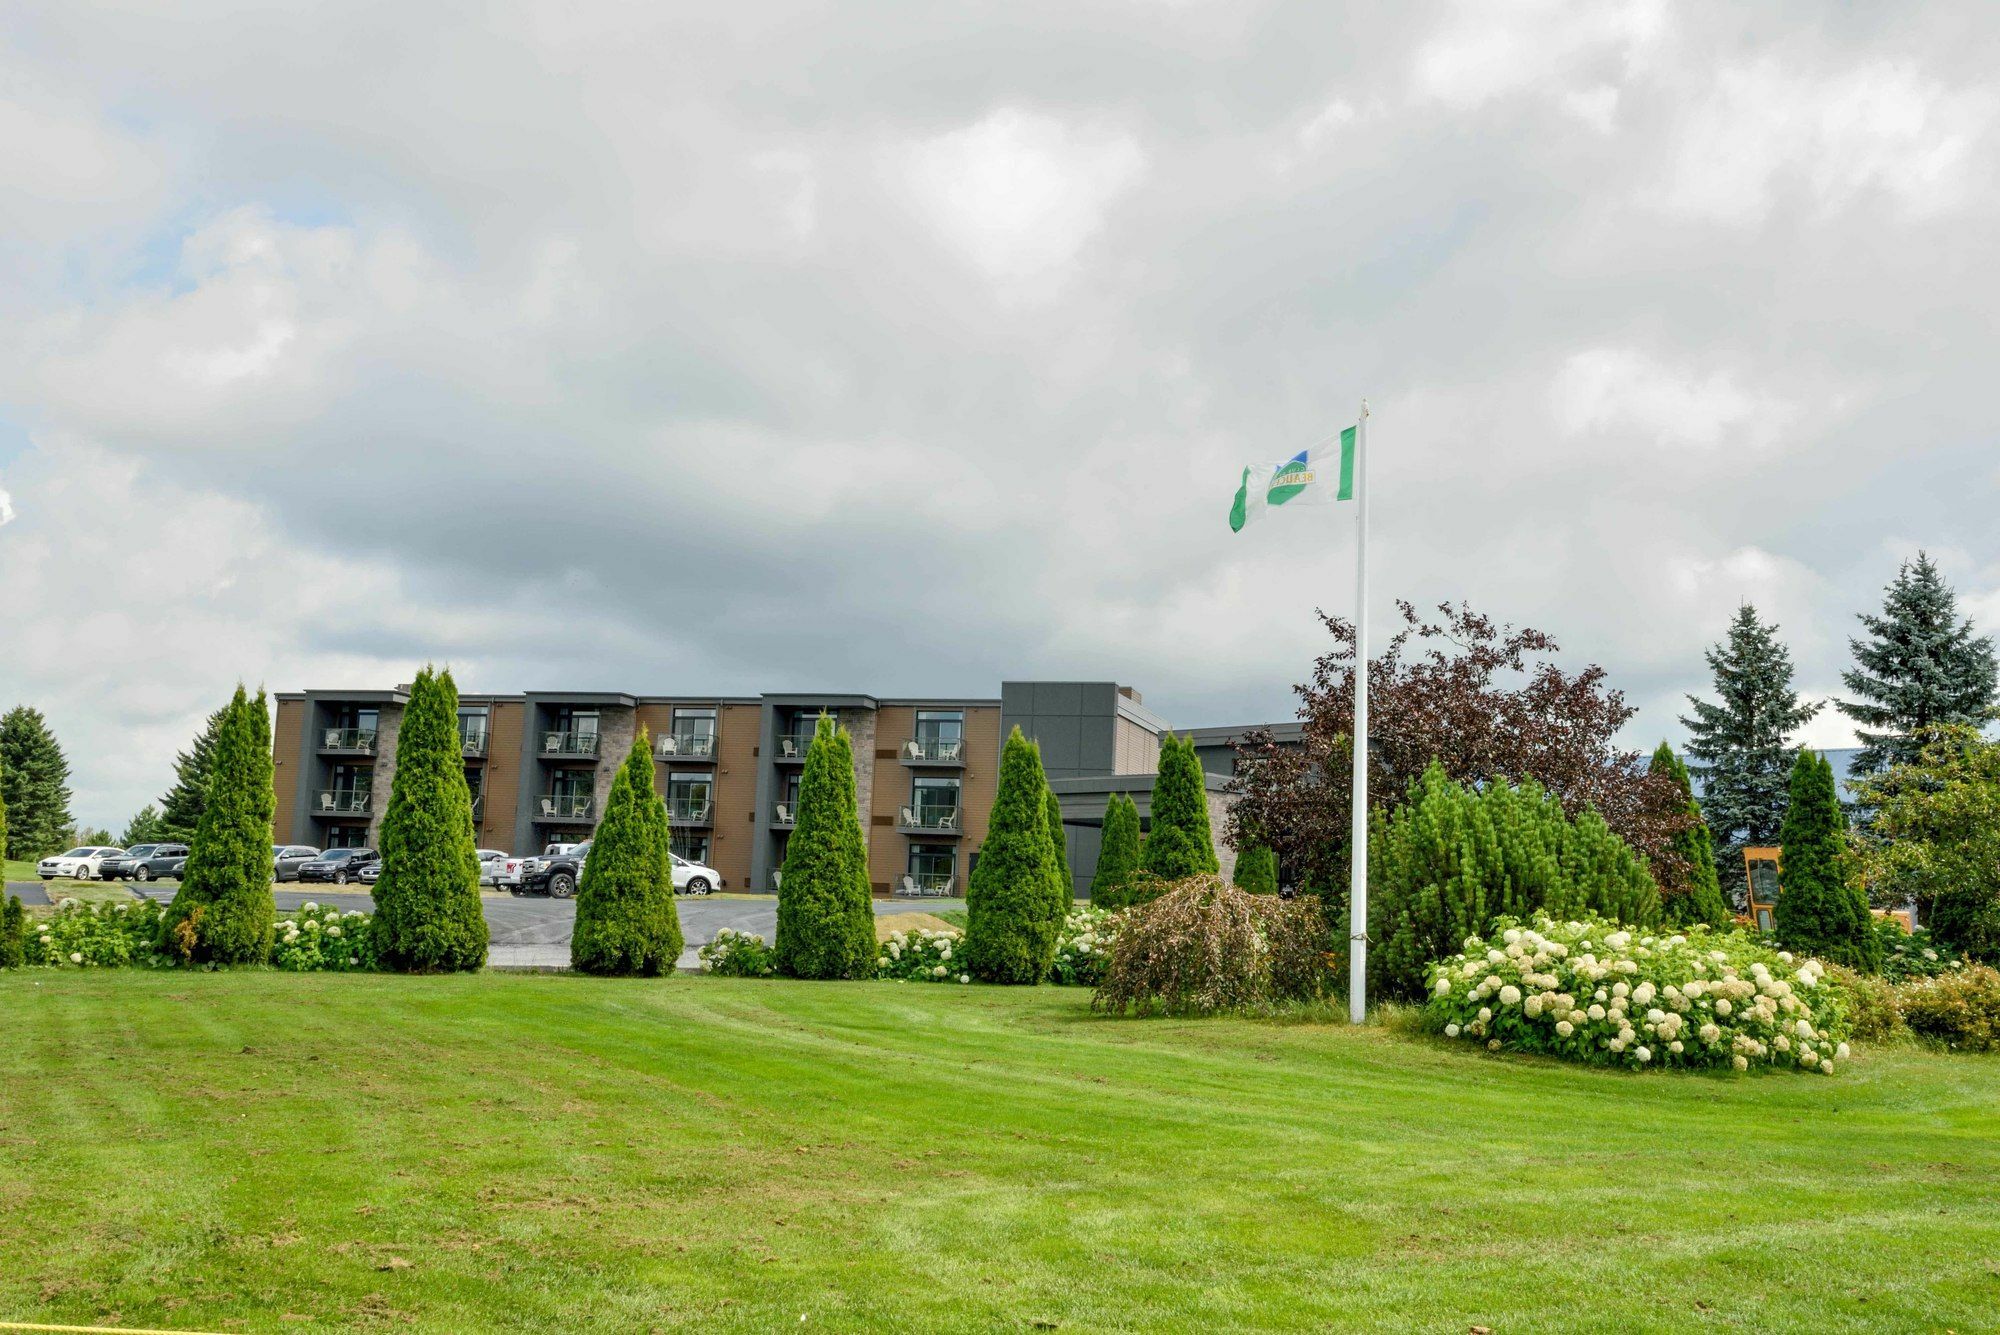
column 472, row 741
column 348, row 739
column 785, row 814
column 687, row 745
column 686, row 812
column 930, row 883
column 569, row 743
column 935, row 750
column 344, row 802
column 940, row 819
column 565, row 806
column 792, row 745
column 478, row 806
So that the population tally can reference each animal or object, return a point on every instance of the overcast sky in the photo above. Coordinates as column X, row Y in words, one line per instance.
column 904, row 347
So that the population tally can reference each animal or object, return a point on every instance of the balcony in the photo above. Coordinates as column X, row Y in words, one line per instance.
column 478, row 807
column 928, row 820
column 348, row 741
column 686, row 745
column 940, row 884
column 565, row 806
column 343, row 802
column 686, row 811
column 568, row 745
column 792, row 746
column 785, row 814
column 472, row 740
column 933, row 751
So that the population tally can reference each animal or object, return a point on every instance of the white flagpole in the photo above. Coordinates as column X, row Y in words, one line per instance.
column 1357, row 879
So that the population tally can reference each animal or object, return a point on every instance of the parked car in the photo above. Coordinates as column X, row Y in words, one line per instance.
column 369, row 872
column 694, row 878
column 339, row 865
column 555, row 873
column 286, row 859
column 168, row 862
column 492, row 864
column 122, row 866
column 81, row 864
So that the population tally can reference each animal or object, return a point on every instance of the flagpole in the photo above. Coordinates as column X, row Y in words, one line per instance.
column 1357, row 877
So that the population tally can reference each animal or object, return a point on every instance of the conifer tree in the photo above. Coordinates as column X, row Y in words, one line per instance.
column 1059, row 844
column 1257, row 870
column 1700, row 899
column 1821, row 910
column 34, row 784
column 1178, row 842
column 826, row 910
column 1741, row 745
column 427, row 912
column 223, row 912
column 180, row 809
column 1012, row 913
column 1117, row 855
column 13, row 933
column 145, row 827
column 626, row 922
column 1920, row 667
column 3, row 809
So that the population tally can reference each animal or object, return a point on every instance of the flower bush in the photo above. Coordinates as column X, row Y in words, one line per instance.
column 1592, row 991
column 99, row 936
column 734, row 954
column 1960, row 1009
column 923, row 956
column 1915, row 954
column 314, row 939
column 1083, row 945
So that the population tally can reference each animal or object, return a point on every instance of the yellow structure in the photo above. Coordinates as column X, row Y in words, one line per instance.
column 1761, row 868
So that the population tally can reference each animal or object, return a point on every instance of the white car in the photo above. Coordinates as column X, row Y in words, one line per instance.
column 82, row 864
column 693, row 878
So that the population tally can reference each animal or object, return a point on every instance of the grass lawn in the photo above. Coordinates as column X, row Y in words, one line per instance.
column 528, row 1152
column 18, row 871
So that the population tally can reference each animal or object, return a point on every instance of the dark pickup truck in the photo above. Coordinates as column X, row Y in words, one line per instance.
column 555, row 873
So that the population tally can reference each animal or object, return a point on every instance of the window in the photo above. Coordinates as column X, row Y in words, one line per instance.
column 472, row 727
column 694, row 731
column 582, row 722
column 691, row 845
column 940, row 733
column 345, row 836
column 933, row 866
column 572, row 783
column 350, row 778
column 791, row 798
column 689, row 795
column 934, row 801
column 1764, row 880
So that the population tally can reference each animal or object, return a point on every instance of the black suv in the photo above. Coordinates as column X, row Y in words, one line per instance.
column 146, row 862
column 339, row 865
column 555, row 873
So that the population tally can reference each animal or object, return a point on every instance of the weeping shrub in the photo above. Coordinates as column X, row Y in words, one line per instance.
column 1452, row 861
column 1203, row 947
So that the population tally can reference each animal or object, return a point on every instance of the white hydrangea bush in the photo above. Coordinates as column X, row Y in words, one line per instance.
column 314, row 938
column 924, row 955
column 1084, row 945
column 1594, row 991
column 733, row 954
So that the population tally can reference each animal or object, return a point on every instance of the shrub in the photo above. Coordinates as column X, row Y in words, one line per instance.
column 13, row 933
column 1085, row 943
column 1821, row 909
column 1205, row 947
column 316, row 939
column 1594, row 991
column 1058, row 846
column 112, row 935
column 826, row 911
column 1874, row 1010
column 1917, row 954
column 1178, row 842
column 734, row 954
column 1699, row 899
column 1118, row 854
column 428, row 917
column 1960, row 1010
column 222, row 913
column 923, row 956
column 1013, row 907
column 626, row 922
column 1452, row 861
column 1257, row 870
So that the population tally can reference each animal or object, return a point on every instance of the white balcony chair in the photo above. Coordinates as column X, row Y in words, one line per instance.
column 910, row 887
column 332, row 738
column 784, row 814
column 669, row 747
column 548, row 806
column 326, row 801
column 552, row 742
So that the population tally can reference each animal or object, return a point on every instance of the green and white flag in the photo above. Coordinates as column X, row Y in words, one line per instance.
column 1318, row 476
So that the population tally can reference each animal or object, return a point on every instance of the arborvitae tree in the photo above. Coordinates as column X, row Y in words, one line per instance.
column 1920, row 667
column 1742, row 745
column 1012, row 913
column 223, row 913
column 1117, row 854
column 1821, row 909
column 626, row 922
column 3, row 809
column 144, row 828
column 1452, row 859
column 1178, row 843
column 427, row 913
column 34, row 783
column 13, row 933
column 1059, row 844
column 1257, row 870
column 1699, row 899
column 180, row 809
column 826, row 910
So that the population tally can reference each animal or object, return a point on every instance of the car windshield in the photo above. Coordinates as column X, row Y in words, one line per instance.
column 77, row 853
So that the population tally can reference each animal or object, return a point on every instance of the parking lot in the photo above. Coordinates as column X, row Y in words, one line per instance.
column 530, row 931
